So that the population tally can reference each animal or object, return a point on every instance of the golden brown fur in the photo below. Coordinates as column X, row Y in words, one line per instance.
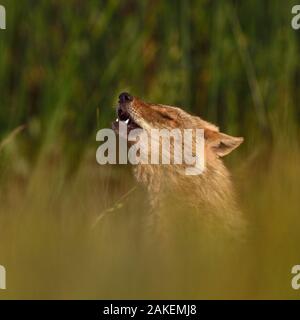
column 210, row 194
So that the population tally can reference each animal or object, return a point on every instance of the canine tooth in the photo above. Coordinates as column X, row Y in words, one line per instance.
column 126, row 121
column 117, row 119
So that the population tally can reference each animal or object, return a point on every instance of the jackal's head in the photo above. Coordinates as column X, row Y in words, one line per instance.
column 139, row 114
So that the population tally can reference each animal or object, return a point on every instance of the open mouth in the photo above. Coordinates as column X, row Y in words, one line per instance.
column 124, row 116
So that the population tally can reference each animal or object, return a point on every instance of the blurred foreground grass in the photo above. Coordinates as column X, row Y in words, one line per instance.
column 51, row 250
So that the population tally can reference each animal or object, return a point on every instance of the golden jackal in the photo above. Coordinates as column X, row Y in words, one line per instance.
column 211, row 193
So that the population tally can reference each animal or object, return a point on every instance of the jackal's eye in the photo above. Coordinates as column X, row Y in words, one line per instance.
column 166, row 115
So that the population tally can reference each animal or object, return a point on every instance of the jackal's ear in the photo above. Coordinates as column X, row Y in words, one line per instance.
column 221, row 143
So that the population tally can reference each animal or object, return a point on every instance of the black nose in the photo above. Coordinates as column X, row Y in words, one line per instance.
column 125, row 97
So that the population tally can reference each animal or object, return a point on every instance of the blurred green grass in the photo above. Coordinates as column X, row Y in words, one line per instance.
column 51, row 249
column 61, row 69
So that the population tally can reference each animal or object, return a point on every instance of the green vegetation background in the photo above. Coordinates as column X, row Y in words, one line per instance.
column 62, row 66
